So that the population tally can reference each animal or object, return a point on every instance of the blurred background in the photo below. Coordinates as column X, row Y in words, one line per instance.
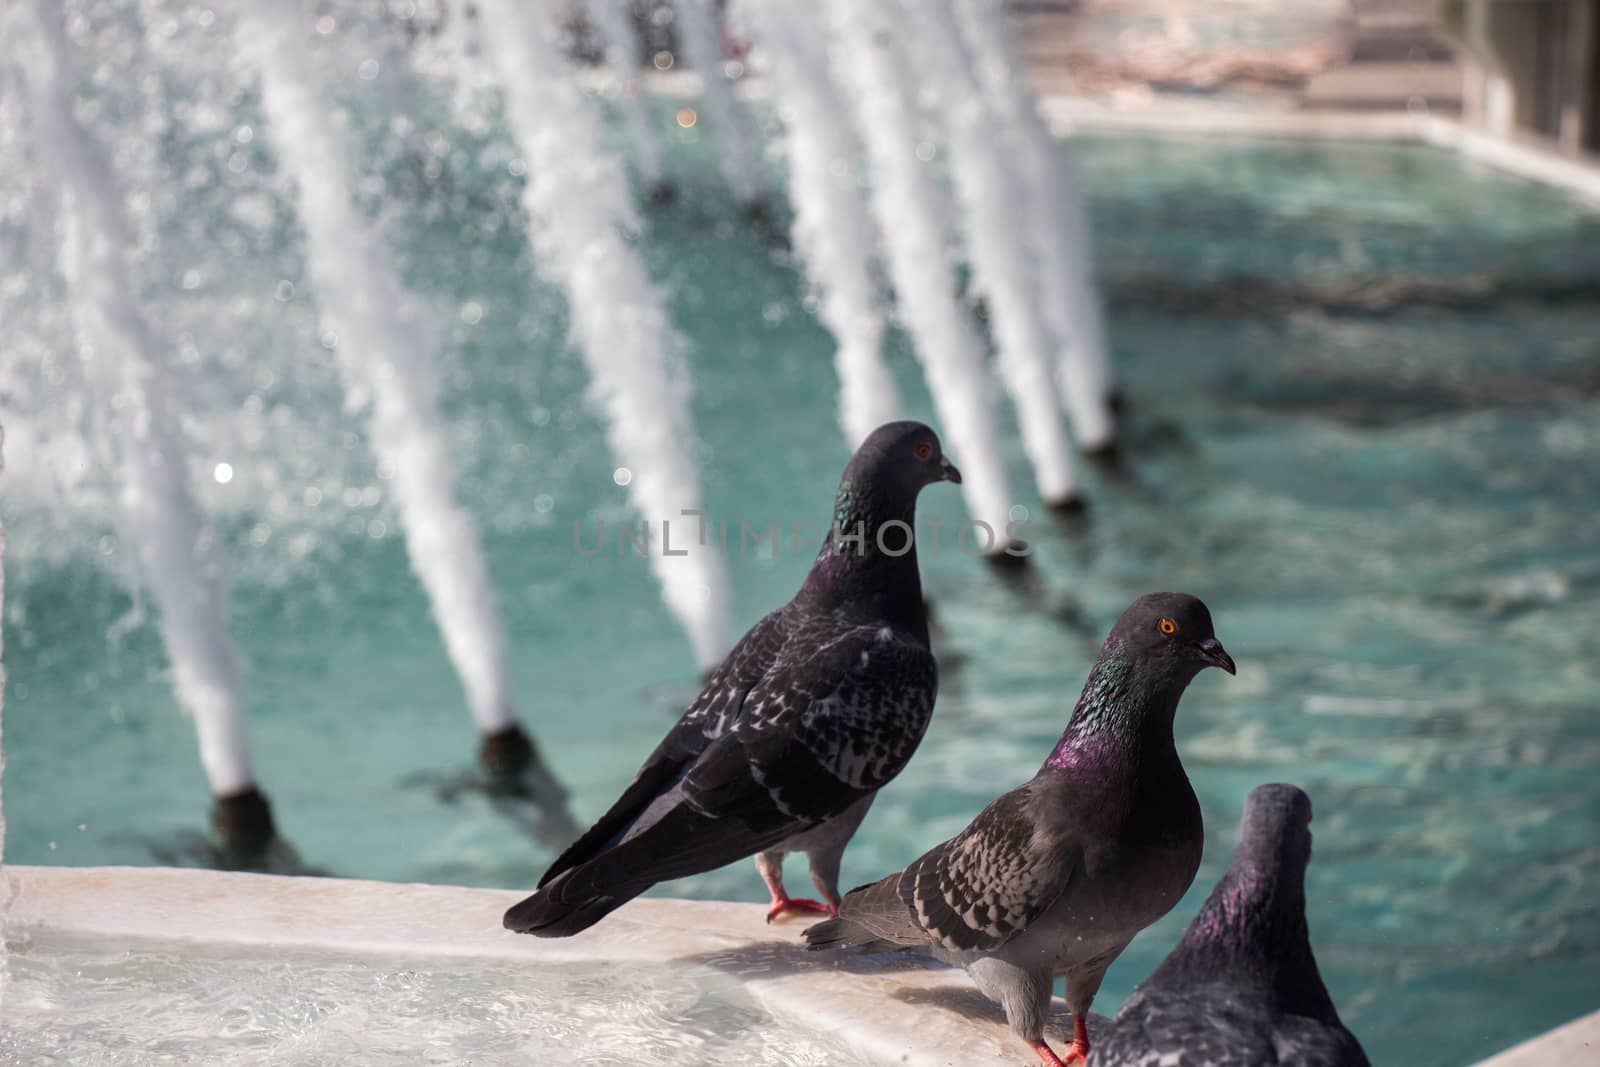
column 344, row 341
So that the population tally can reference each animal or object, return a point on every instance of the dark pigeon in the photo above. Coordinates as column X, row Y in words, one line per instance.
column 818, row 706
column 1056, row 877
column 1242, row 988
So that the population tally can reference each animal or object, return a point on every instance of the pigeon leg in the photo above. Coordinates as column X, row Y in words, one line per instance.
column 1077, row 1052
column 1046, row 1055
column 770, row 864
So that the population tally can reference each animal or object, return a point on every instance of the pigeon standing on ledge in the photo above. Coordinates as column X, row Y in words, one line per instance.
column 815, row 709
column 1242, row 986
column 1057, row 876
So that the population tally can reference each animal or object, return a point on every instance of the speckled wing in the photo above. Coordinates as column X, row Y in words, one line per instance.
column 839, row 717
column 716, row 707
column 987, row 884
column 1210, row 1026
column 836, row 714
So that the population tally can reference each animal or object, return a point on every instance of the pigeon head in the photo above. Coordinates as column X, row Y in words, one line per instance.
column 1151, row 655
column 897, row 460
column 1169, row 634
column 881, row 482
column 1275, row 832
column 1253, row 926
column 869, row 559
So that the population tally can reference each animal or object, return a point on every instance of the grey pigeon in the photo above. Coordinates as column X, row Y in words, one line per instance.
column 1057, row 876
column 818, row 706
column 1242, row 988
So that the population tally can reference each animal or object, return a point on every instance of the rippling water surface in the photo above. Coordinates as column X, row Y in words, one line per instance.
column 77, row 1003
column 1362, row 425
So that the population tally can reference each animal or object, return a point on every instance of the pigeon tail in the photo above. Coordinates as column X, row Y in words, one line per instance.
column 842, row 933
column 871, row 917
column 545, row 914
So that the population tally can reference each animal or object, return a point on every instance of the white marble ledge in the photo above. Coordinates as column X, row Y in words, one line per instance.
column 893, row 1008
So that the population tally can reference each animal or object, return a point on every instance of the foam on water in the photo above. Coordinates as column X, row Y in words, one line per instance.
column 699, row 34
column 615, row 19
column 384, row 347
column 78, row 1002
column 910, row 207
column 999, row 244
column 833, row 230
column 578, row 210
column 126, row 358
column 1062, row 240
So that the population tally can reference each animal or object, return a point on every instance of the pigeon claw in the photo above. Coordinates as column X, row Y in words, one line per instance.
column 1048, row 1057
column 799, row 906
column 1076, row 1054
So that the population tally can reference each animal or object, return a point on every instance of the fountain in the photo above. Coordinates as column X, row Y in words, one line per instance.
column 700, row 37
column 1059, row 222
column 909, row 205
column 578, row 213
column 136, row 245
column 996, row 229
column 615, row 21
column 158, row 506
column 833, row 230
column 384, row 351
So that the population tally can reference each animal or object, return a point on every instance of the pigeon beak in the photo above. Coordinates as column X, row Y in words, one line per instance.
column 1212, row 652
column 948, row 471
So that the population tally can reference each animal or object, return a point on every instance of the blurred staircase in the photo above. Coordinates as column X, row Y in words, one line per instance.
column 1398, row 59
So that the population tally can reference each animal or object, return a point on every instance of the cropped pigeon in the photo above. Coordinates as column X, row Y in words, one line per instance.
column 818, row 706
column 1242, row 988
column 1057, row 876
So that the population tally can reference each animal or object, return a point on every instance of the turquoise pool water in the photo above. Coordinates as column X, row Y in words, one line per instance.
column 1387, row 497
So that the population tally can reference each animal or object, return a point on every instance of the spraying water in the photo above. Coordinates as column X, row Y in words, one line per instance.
column 615, row 19
column 159, row 509
column 4, row 890
column 908, row 205
column 578, row 212
column 833, row 229
column 699, row 35
column 384, row 351
column 995, row 224
column 1060, row 225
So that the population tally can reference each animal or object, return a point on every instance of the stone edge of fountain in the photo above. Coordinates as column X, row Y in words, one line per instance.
column 886, row 1008
column 894, row 1010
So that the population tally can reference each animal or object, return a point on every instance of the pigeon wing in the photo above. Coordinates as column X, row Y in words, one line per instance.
column 830, row 722
column 712, row 712
column 986, row 885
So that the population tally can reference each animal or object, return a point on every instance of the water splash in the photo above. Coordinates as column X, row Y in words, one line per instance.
column 909, row 206
column 833, row 229
column 5, row 880
column 615, row 20
column 1054, row 202
column 384, row 352
column 996, row 227
column 382, row 345
column 699, row 35
column 158, row 506
column 578, row 211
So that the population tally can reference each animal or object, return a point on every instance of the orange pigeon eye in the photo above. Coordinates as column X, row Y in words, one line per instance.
column 924, row 451
column 1167, row 626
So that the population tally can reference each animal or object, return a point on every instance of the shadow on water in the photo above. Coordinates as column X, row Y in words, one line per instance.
column 1246, row 295
column 1367, row 401
column 530, row 800
column 193, row 849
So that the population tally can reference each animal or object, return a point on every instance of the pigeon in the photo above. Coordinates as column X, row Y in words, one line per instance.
column 1242, row 988
column 814, row 710
column 1057, row 876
